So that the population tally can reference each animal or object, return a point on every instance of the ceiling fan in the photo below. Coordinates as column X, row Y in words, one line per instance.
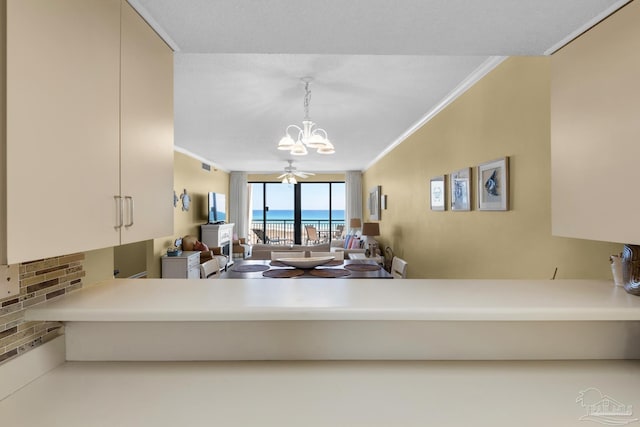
column 290, row 173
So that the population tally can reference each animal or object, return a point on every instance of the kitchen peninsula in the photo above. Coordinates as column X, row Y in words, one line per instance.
column 414, row 319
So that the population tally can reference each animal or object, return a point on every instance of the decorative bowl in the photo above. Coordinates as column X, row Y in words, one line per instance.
column 310, row 262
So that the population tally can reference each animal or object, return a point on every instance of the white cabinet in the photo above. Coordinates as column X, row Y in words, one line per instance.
column 146, row 138
column 83, row 132
column 184, row 266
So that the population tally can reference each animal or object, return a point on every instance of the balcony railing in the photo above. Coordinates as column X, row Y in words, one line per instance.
column 281, row 231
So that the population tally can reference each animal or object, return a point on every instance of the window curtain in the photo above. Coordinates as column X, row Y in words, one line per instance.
column 238, row 203
column 353, row 194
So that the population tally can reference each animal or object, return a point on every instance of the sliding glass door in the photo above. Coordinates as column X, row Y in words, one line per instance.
column 297, row 213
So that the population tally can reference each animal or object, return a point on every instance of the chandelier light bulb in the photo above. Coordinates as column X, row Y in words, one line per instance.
column 286, row 143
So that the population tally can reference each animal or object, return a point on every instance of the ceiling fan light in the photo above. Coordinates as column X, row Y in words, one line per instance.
column 289, row 179
column 286, row 143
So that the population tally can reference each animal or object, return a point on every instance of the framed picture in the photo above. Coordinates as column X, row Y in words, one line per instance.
column 374, row 203
column 493, row 185
column 438, row 194
column 460, row 181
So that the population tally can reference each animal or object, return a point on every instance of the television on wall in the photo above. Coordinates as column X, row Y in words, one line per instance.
column 217, row 208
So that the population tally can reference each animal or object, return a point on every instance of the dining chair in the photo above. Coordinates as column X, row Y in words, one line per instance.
column 339, row 255
column 288, row 254
column 399, row 268
column 210, row 269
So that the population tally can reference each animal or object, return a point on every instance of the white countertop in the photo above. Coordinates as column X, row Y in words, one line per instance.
column 336, row 299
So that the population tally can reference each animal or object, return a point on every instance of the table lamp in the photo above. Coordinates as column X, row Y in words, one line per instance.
column 354, row 223
column 371, row 229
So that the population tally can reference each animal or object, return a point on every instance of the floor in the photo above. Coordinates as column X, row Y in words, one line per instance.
column 310, row 394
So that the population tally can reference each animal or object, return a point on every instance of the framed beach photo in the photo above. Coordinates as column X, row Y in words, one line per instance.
column 374, row 203
column 460, row 182
column 438, row 192
column 493, row 185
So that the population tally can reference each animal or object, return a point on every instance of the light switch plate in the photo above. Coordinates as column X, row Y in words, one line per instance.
column 9, row 280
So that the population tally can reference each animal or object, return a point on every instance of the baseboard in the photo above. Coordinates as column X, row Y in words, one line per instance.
column 20, row 371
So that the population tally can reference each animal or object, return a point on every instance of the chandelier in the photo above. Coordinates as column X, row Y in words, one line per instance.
column 310, row 135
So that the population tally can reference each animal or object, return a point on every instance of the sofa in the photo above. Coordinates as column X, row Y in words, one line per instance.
column 338, row 246
column 263, row 251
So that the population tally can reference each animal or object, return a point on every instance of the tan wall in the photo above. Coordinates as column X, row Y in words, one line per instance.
column 98, row 265
column 130, row 259
column 505, row 114
column 188, row 174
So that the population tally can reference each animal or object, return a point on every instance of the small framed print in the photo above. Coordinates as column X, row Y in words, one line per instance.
column 460, row 182
column 374, row 203
column 493, row 185
column 438, row 192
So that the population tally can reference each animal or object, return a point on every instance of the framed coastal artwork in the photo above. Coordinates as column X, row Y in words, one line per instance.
column 460, row 182
column 374, row 203
column 437, row 192
column 493, row 185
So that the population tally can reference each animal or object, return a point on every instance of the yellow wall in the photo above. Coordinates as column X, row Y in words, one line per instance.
column 98, row 265
column 188, row 174
column 130, row 259
column 505, row 114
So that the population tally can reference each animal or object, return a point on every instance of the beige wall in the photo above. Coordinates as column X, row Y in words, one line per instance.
column 506, row 114
column 188, row 174
column 130, row 259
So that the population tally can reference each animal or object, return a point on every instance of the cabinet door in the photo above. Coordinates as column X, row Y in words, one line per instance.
column 62, row 126
column 147, row 130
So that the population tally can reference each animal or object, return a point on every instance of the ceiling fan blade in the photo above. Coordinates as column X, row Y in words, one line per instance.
column 283, row 175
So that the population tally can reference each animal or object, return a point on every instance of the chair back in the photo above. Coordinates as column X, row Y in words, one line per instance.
column 261, row 236
column 339, row 255
column 312, row 233
column 288, row 254
column 398, row 268
column 339, row 231
column 210, row 269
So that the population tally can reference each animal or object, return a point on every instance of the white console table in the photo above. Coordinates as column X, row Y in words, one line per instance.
column 218, row 236
column 184, row 266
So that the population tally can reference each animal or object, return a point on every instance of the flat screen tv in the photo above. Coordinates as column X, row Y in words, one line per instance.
column 217, row 208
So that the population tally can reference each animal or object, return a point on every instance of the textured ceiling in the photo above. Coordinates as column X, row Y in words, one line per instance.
column 379, row 67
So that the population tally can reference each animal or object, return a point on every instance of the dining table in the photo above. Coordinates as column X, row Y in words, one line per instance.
column 344, row 269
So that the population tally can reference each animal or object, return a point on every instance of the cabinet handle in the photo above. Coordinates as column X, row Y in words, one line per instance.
column 119, row 212
column 131, row 211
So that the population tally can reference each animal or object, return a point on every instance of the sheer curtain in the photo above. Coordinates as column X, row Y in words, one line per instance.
column 238, row 202
column 353, row 194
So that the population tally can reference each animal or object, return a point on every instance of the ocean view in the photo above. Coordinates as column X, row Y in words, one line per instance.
column 338, row 215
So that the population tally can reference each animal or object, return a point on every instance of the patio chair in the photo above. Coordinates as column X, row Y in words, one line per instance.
column 312, row 234
column 262, row 237
column 339, row 231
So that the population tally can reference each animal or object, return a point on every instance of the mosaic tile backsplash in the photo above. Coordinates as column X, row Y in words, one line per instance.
column 41, row 280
